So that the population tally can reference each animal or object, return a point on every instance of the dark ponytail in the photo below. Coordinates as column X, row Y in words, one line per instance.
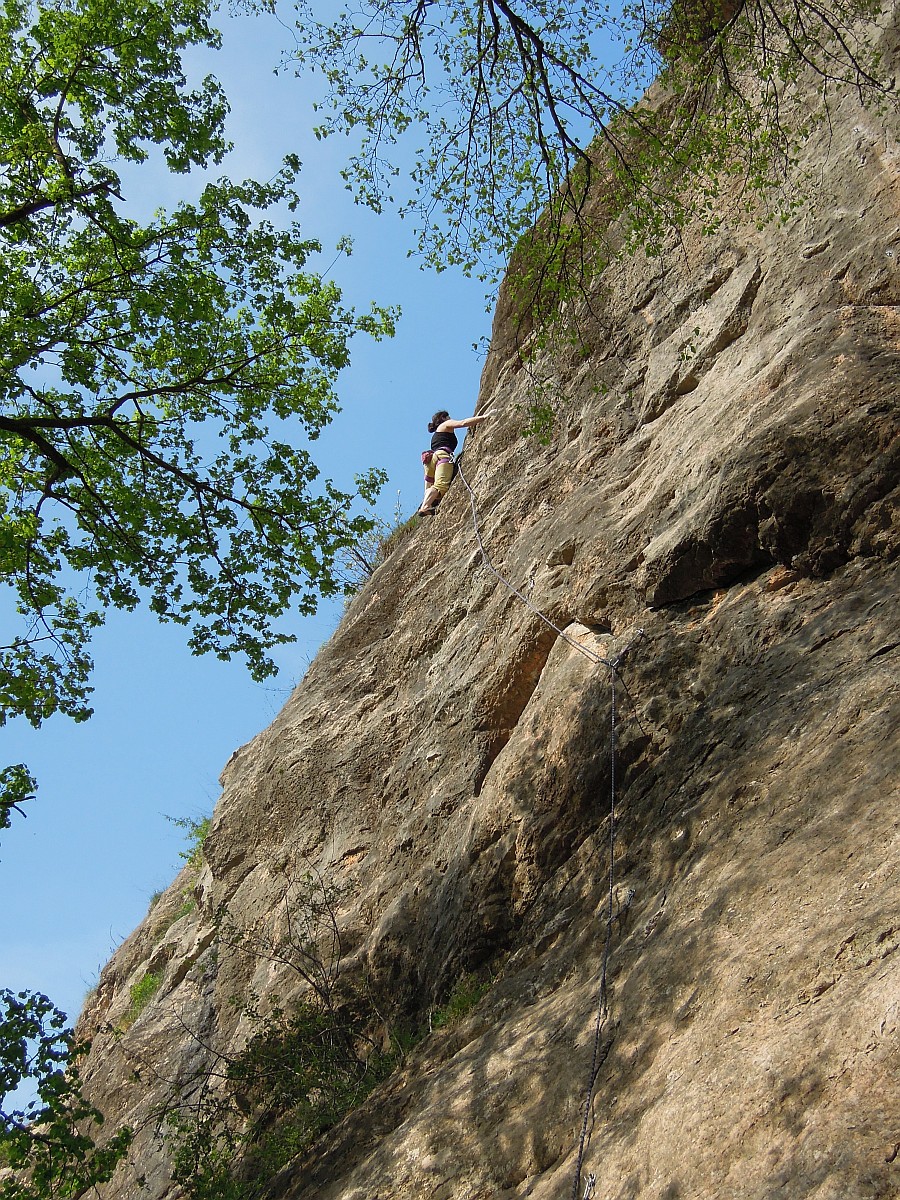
column 437, row 419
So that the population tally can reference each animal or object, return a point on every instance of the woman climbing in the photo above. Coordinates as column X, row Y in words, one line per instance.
column 438, row 461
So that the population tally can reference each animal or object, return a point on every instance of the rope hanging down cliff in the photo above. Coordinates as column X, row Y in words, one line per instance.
column 602, row 994
column 612, row 665
column 597, row 659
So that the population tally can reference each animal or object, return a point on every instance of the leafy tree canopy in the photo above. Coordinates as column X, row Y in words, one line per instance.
column 46, row 1147
column 155, row 376
column 522, row 105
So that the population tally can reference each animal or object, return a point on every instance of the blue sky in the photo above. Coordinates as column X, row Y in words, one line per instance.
column 77, row 875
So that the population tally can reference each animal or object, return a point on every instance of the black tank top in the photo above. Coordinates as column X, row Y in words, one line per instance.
column 445, row 441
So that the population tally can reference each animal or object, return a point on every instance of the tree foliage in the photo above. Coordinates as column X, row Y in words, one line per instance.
column 47, row 1147
column 156, row 375
column 17, row 786
column 526, row 106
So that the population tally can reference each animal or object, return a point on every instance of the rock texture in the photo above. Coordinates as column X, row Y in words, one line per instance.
column 726, row 479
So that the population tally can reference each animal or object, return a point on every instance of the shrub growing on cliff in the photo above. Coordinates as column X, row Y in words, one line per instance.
column 196, row 832
column 304, row 1065
column 357, row 562
column 141, row 993
column 464, row 997
column 298, row 1075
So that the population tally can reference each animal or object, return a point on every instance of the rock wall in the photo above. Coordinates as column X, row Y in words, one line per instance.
column 725, row 479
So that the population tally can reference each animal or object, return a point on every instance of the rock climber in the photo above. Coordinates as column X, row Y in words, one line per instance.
column 438, row 461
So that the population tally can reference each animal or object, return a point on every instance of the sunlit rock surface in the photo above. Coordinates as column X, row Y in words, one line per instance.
column 725, row 478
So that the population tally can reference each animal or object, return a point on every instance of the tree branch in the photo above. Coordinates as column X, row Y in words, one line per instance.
column 23, row 211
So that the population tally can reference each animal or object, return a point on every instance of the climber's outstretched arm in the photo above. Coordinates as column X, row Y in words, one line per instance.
column 466, row 424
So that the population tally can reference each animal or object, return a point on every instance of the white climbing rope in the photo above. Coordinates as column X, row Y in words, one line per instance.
column 596, row 659
column 602, row 996
column 612, row 665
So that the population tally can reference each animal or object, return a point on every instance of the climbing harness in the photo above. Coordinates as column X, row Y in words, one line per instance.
column 435, row 463
column 612, row 665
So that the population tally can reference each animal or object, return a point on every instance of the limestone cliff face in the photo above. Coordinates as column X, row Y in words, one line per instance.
column 732, row 490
